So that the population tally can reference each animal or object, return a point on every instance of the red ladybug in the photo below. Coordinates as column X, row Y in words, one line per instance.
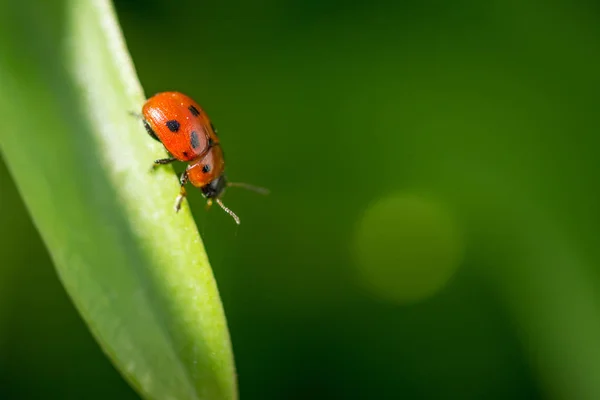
column 185, row 130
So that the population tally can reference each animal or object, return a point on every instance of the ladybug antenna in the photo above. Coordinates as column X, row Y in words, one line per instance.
column 257, row 189
column 228, row 211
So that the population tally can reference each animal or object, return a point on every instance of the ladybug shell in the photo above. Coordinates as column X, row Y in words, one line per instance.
column 180, row 124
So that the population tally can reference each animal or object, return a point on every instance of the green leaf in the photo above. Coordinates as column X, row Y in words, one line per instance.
column 136, row 271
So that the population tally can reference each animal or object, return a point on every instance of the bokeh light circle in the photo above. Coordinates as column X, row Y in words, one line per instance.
column 407, row 247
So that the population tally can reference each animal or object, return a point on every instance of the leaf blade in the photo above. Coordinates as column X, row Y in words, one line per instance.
column 137, row 272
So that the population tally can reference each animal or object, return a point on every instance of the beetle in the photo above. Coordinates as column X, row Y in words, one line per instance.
column 187, row 133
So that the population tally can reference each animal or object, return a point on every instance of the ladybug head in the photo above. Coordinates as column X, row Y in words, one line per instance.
column 214, row 188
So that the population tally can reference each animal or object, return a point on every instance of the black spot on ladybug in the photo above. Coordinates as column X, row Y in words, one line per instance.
column 213, row 128
column 185, row 154
column 194, row 141
column 194, row 111
column 206, row 168
column 173, row 125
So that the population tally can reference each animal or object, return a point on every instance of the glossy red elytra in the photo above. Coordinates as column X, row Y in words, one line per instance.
column 185, row 130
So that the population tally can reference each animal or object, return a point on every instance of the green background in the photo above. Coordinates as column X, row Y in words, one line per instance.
column 432, row 228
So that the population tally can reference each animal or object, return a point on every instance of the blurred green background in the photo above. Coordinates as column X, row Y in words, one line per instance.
column 432, row 228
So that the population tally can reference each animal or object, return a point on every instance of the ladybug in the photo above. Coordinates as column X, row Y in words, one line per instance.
column 182, row 126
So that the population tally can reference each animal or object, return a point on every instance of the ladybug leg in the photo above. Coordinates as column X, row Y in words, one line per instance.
column 146, row 125
column 163, row 161
column 182, row 192
column 150, row 130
